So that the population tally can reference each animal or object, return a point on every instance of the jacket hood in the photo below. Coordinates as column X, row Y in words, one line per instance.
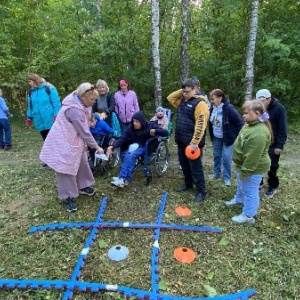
column 140, row 117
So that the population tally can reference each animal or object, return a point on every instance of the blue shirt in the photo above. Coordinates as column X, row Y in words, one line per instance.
column 216, row 119
column 3, row 109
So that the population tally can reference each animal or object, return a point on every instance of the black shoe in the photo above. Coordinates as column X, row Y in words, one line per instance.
column 45, row 166
column 199, row 197
column 87, row 191
column 184, row 188
column 71, row 207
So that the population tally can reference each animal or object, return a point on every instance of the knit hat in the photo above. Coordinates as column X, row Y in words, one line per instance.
column 140, row 117
column 159, row 109
column 263, row 94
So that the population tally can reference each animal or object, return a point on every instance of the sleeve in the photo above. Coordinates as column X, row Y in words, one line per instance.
column 201, row 119
column 3, row 105
column 282, row 129
column 54, row 97
column 236, row 118
column 175, row 98
column 136, row 103
column 105, row 127
column 111, row 103
column 77, row 118
column 116, row 103
column 158, row 131
column 29, row 110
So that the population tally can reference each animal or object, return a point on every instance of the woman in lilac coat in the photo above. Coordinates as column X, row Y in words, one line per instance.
column 64, row 149
column 126, row 104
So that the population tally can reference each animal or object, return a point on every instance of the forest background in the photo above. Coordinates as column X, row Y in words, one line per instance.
column 73, row 41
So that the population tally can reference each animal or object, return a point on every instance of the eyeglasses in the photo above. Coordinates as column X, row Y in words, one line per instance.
column 92, row 88
column 185, row 91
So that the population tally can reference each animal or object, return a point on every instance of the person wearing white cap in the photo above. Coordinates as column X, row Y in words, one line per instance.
column 278, row 121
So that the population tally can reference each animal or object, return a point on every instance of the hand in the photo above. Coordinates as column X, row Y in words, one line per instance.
column 194, row 147
column 152, row 132
column 109, row 151
column 277, row 151
column 28, row 122
column 100, row 150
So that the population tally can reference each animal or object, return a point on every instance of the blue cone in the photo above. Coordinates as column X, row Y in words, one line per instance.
column 118, row 252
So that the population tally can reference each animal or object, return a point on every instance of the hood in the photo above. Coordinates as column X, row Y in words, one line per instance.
column 140, row 117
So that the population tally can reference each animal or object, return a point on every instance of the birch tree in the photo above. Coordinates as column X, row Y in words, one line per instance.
column 251, row 50
column 99, row 7
column 155, row 53
column 184, row 57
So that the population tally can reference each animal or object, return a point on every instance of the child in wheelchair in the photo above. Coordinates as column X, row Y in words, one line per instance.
column 135, row 137
column 103, row 134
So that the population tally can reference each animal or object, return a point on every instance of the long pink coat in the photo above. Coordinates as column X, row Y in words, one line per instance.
column 63, row 147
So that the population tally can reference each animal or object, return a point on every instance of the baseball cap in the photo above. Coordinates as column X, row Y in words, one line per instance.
column 263, row 94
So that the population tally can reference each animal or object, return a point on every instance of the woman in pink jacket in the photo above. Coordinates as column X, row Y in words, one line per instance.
column 126, row 104
column 64, row 149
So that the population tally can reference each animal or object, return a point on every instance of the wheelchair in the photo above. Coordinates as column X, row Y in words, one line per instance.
column 99, row 163
column 157, row 154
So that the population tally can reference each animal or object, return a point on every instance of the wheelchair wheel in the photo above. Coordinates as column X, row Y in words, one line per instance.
column 115, row 158
column 161, row 159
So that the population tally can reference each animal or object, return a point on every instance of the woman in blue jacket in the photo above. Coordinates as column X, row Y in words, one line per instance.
column 43, row 104
column 225, row 123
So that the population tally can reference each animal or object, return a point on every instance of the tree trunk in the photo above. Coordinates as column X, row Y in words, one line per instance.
column 184, row 58
column 155, row 53
column 249, row 78
column 99, row 4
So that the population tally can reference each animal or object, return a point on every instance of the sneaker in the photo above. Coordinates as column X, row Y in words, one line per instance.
column 115, row 178
column 71, row 207
column 213, row 176
column 243, row 219
column 270, row 192
column 45, row 166
column 233, row 202
column 7, row 147
column 87, row 191
column 227, row 182
column 119, row 183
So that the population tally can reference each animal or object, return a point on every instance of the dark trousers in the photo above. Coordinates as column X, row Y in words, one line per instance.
column 273, row 180
column 192, row 170
column 44, row 133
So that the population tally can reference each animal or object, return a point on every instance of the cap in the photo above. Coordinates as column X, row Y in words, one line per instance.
column 263, row 94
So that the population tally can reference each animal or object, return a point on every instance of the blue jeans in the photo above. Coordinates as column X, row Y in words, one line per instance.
column 248, row 193
column 222, row 156
column 5, row 133
column 128, row 163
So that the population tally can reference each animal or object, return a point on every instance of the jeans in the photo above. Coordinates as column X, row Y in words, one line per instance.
column 5, row 133
column 222, row 156
column 128, row 163
column 192, row 170
column 248, row 193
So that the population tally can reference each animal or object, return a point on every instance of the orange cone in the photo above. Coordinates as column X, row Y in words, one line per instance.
column 192, row 154
column 183, row 211
column 184, row 255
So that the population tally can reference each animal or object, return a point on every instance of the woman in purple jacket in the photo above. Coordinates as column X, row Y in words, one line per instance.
column 126, row 104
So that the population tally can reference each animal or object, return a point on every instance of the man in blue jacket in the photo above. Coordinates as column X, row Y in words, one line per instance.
column 278, row 121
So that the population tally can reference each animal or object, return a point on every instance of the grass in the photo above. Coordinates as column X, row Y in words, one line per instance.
column 264, row 257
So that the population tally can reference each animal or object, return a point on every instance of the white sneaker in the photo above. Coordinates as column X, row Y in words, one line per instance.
column 227, row 182
column 243, row 219
column 233, row 202
column 115, row 178
column 118, row 183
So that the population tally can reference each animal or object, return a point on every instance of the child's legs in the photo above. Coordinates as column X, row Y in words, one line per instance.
column 128, row 163
column 227, row 161
column 250, row 188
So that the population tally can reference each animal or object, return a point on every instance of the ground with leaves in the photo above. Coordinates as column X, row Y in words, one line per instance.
column 264, row 257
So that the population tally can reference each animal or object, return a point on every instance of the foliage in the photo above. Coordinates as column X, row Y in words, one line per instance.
column 61, row 40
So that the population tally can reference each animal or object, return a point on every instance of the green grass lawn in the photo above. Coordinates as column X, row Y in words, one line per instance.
column 264, row 257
